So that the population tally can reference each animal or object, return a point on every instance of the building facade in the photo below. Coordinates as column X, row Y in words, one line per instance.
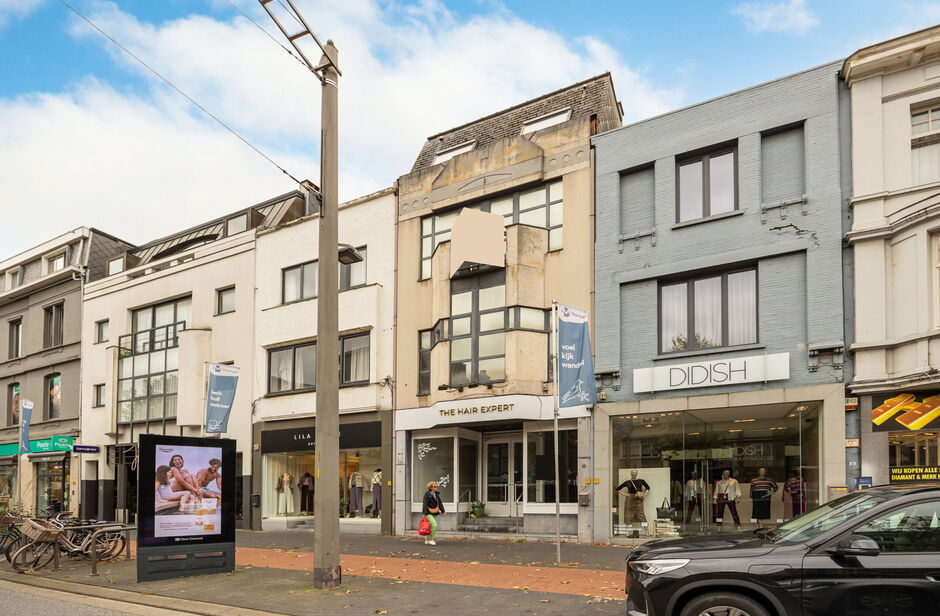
column 163, row 311
column 494, row 222
column 285, row 337
column 41, row 310
column 895, row 91
column 719, row 309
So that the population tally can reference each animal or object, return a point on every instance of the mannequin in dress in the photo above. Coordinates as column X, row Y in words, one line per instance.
column 727, row 492
column 637, row 489
column 762, row 489
column 285, row 494
column 356, row 483
column 796, row 488
column 694, row 493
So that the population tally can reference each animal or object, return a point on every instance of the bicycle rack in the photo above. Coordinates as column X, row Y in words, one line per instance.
column 125, row 528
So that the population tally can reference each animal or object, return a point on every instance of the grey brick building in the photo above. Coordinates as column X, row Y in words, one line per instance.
column 720, row 318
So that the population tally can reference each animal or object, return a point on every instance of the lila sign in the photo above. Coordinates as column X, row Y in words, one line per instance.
column 730, row 371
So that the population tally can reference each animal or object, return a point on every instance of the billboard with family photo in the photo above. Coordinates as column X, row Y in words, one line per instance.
column 192, row 498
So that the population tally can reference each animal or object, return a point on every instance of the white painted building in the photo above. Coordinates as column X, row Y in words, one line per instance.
column 285, row 329
column 161, row 312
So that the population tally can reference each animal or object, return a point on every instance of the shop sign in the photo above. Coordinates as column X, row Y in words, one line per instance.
column 55, row 443
column 732, row 371
column 511, row 407
column 351, row 435
column 908, row 474
column 906, row 411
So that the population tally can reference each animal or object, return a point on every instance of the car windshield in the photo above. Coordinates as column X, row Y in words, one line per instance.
column 824, row 518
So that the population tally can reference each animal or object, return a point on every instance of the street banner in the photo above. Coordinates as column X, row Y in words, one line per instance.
column 575, row 366
column 26, row 414
column 220, row 395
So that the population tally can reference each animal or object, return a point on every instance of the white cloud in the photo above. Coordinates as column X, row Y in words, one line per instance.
column 408, row 71
column 790, row 16
column 10, row 9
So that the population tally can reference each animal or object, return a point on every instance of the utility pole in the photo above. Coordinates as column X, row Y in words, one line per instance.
column 327, row 571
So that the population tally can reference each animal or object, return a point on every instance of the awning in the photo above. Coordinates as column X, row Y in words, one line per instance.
column 8, row 460
column 48, row 457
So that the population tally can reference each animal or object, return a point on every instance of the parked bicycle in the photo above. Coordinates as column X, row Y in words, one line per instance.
column 44, row 537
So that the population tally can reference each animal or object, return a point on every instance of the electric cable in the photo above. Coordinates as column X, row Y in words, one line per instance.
column 268, row 34
column 183, row 94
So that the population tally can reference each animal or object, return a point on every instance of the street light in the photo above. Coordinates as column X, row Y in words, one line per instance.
column 327, row 571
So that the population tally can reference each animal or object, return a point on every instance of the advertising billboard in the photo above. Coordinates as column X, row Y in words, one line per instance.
column 192, row 498
column 906, row 411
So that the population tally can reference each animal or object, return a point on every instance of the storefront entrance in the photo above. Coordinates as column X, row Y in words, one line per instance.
column 716, row 470
column 503, row 475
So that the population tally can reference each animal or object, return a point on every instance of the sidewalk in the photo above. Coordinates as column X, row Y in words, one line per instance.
column 393, row 575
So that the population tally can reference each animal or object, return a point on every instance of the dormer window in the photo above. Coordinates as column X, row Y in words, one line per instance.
column 551, row 119
column 445, row 155
column 115, row 266
column 236, row 224
column 57, row 262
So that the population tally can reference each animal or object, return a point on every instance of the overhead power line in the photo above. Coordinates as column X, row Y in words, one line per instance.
column 183, row 94
column 268, row 34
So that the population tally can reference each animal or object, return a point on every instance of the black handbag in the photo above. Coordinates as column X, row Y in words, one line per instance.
column 666, row 512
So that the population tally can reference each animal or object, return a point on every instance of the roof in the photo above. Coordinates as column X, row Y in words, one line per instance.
column 584, row 97
column 899, row 53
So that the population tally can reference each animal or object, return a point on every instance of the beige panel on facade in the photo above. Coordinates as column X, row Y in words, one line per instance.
column 477, row 238
column 195, row 345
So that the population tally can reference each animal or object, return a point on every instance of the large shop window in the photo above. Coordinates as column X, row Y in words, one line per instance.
column 917, row 449
column 707, row 185
column 8, row 484
column 294, row 368
column 433, row 461
column 52, row 484
column 148, row 370
column 478, row 329
column 771, row 451
column 542, row 206
column 711, row 311
column 541, row 466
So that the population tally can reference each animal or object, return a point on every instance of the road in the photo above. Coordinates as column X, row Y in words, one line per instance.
column 31, row 601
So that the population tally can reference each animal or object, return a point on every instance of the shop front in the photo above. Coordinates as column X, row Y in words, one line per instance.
column 903, row 440
column 495, row 455
column 51, row 460
column 287, row 471
column 9, row 476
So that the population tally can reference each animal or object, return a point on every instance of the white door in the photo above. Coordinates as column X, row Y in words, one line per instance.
column 503, row 477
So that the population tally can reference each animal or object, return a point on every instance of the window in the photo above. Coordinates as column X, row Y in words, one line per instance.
column 539, row 207
column 433, row 461
column 424, row 362
column 13, row 404
column 52, row 326
column 57, row 263
column 354, row 361
column 712, row 311
column 925, row 120
column 707, row 185
column 99, row 399
column 225, row 300
column 299, row 282
column 915, row 528
column 101, row 331
column 478, row 329
column 16, row 338
column 148, row 369
column 541, row 466
column 353, row 275
column 925, row 145
column 115, row 266
column 236, row 224
column 53, row 396
column 551, row 119
column 292, row 368
column 448, row 153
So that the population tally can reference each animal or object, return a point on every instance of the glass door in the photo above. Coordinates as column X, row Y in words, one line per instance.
column 504, row 477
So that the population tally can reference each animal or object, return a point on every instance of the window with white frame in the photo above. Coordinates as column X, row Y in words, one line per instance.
column 236, row 224
column 115, row 266
column 448, row 153
column 925, row 144
column 547, row 120
column 57, row 262
column 717, row 310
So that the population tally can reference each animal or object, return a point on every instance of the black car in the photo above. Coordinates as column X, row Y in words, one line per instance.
column 876, row 551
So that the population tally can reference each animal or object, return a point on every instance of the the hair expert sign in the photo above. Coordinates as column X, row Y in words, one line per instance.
column 187, row 491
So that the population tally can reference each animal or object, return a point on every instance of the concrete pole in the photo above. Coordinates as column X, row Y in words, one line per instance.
column 327, row 572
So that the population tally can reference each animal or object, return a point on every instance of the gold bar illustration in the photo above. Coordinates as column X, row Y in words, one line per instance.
column 922, row 414
column 891, row 406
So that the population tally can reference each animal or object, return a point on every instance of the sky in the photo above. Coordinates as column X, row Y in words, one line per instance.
column 89, row 137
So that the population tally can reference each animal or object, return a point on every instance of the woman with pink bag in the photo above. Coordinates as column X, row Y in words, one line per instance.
column 433, row 506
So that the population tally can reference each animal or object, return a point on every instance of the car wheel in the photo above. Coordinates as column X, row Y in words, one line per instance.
column 723, row 604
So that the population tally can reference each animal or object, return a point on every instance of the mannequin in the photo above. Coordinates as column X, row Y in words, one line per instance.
column 637, row 489
column 285, row 493
column 727, row 492
column 306, row 494
column 796, row 488
column 694, row 492
column 376, row 492
column 356, row 483
column 762, row 489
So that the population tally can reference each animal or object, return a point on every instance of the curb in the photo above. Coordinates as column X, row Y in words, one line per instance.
column 129, row 596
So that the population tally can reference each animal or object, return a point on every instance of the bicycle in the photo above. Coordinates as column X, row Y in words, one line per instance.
column 75, row 540
column 43, row 538
column 10, row 534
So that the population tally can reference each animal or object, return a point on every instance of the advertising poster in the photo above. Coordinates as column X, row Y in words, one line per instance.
column 906, row 412
column 26, row 409
column 187, row 491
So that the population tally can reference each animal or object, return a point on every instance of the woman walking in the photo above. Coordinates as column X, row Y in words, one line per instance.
column 433, row 506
